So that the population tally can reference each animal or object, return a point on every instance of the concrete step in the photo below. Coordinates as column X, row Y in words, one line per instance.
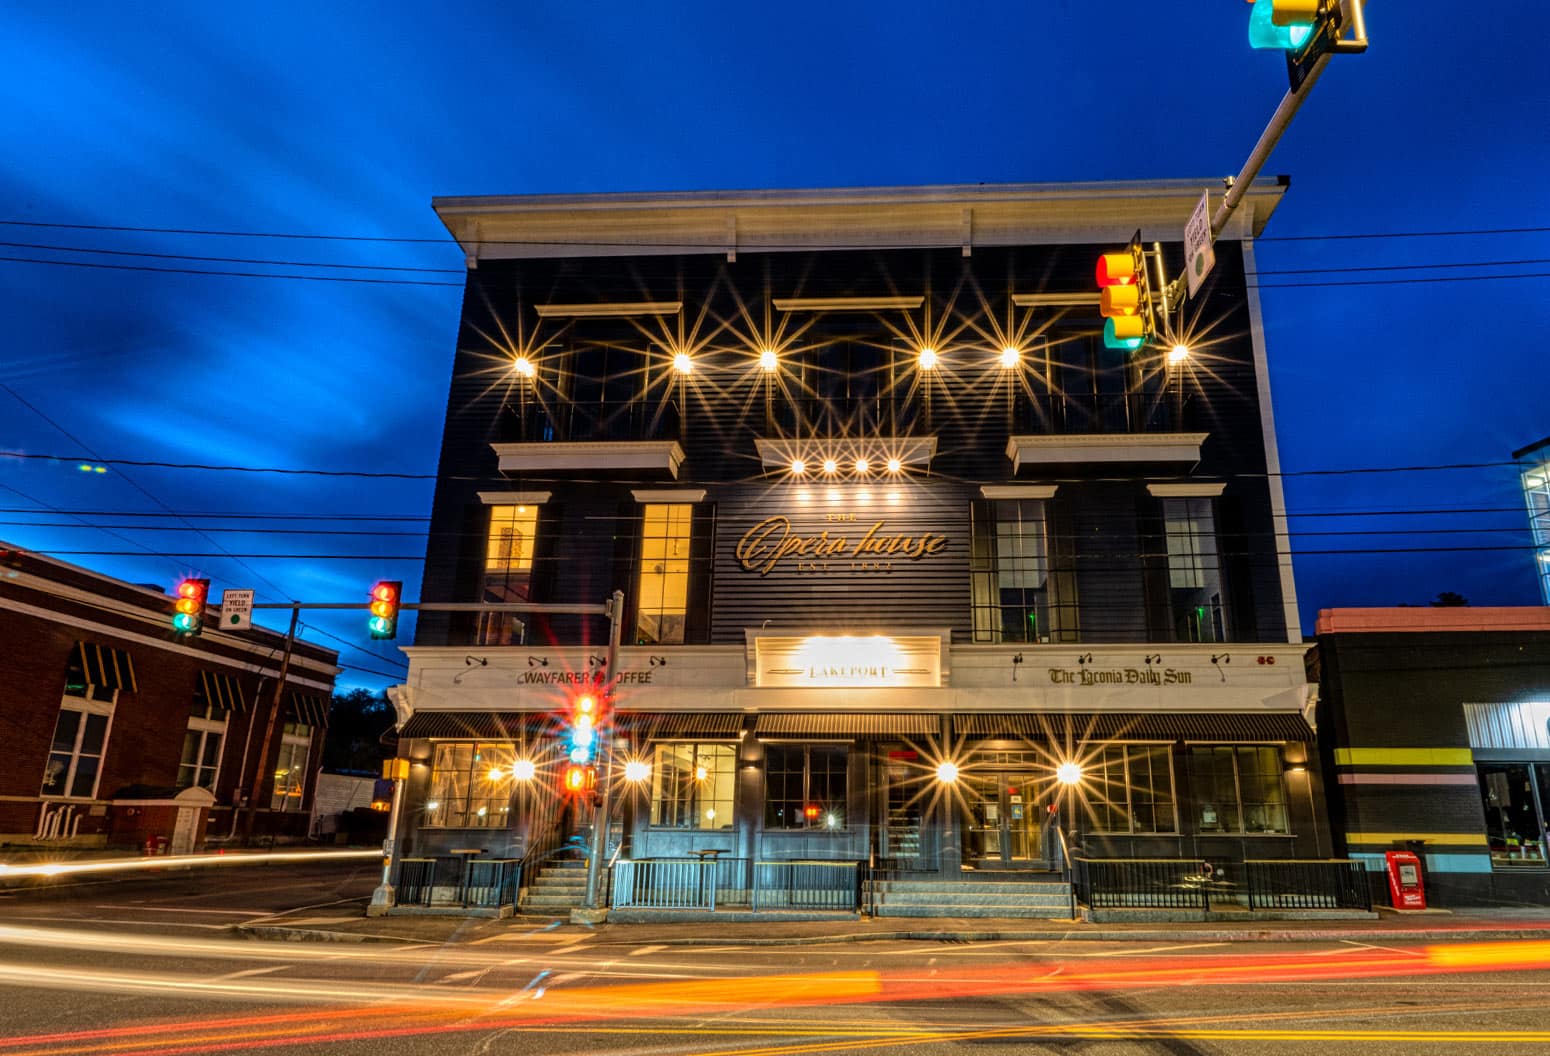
column 558, row 901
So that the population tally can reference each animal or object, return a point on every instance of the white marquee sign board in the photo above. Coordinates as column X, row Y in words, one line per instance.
column 237, row 610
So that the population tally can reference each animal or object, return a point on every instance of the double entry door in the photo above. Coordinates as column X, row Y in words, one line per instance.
column 1005, row 820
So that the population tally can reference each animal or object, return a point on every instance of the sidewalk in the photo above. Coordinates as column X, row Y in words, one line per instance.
column 1434, row 926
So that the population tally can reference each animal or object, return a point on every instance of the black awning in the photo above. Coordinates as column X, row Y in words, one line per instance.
column 648, row 725
column 478, row 725
column 223, row 691
column 871, row 723
column 307, row 709
column 105, row 666
column 1139, row 726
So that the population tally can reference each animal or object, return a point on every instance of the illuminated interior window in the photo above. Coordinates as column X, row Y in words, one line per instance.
column 508, row 570
column 664, row 574
column 463, row 793
column 290, row 769
column 805, row 786
column 692, row 786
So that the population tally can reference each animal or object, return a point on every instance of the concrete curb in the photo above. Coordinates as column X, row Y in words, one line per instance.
column 282, row 934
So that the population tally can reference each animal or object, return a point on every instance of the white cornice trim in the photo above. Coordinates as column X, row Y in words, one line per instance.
column 514, row 498
column 1080, row 449
column 668, row 495
column 1018, row 491
column 612, row 310
column 845, row 304
column 635, row 454
column 909, row 450
column 270, row 671
column 1187, row 491
column 1055, row 300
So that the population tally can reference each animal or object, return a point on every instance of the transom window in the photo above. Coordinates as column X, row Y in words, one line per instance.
column 664, row 573
column 470, row 785
column 693, row 786
column 805, row 786
column 1238, row 789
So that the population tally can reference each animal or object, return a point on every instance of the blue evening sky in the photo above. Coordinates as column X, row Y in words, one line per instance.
column 334, row 118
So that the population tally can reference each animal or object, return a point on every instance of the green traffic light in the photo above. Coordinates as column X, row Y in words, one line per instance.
column 1113, row 340
column 184, row 622
column 1264, row 33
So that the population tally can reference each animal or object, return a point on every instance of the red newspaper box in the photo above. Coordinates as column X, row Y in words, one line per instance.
column 1405, row 888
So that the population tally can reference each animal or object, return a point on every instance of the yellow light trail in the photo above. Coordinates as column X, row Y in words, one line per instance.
column 113, row 865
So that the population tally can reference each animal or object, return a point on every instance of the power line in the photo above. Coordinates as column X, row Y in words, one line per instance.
column 349, row 644
column 229, row 260
column 446, row 240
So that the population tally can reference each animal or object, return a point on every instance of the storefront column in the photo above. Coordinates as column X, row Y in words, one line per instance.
column 748, row 830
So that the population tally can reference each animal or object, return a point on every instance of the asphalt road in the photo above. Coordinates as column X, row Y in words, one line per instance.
column 150, row 966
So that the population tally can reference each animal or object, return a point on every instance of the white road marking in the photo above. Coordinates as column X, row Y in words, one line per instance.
column 255, row 971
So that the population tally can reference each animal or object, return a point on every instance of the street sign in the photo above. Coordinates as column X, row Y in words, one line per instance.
column 237, row 610
column 1199, row 253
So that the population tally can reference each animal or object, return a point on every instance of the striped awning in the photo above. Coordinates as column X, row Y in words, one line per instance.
column 478, row 725
column 308, row 709
column 1139, row 726
column 223, row 691
column 873, row 723
column 105, row 666
column 646, row 725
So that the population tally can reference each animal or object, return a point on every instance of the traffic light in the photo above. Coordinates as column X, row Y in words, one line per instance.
column 578, row 779
column 1125, row 297
column 189, row 617
column 386, row 597
column 584, row 715
column 1283, row 25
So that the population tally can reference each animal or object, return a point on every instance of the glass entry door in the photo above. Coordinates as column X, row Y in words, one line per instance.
column 1004, row 824
column 1517, row 803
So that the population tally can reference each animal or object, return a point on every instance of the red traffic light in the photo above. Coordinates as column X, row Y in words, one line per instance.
column 578, row 779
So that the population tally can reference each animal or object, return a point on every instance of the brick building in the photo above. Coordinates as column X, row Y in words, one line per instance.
column 117, row 730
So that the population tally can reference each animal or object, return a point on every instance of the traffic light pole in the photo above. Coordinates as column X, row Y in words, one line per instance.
column 1354, row 16
column 592, row 911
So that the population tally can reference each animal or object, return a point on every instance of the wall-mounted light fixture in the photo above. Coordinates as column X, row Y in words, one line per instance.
column 1017, row 660
column 1151, row 658
column 468, row 663
column 1218, row 659
column 538, row 661
column 1084, row 658
column 657, row 661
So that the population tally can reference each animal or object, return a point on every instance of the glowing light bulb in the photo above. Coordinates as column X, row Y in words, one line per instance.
column 523, row 366
column 523, row 769
column 1010, row 357
column 947, row 773
column 682, row 363
column 830, row 466
column 798, row 467
column 1068, row 773
column 927, row 359
column 496, row 773
column 768, row 361
column 635, row 770
column 862, row 465
column 1178, row 354
column 894, row 465
column 699, row 773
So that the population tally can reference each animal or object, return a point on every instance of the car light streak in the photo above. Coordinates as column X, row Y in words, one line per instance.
column 116, row 865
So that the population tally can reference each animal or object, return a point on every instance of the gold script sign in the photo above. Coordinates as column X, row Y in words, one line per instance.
column 764, row 546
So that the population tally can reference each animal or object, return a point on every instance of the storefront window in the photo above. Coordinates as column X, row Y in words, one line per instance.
column 805, row 786
column 470, row 786
column 1129, row 789
column 692, row 786
column 1194, row 572
column 664, row 574
column 1238, row 789
column 1514, row 812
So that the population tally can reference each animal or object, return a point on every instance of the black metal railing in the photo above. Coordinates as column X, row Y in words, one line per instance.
column 458, row 882
column 1336, row 883
column 806, row 885
column 707, row 883
column 1142, row 883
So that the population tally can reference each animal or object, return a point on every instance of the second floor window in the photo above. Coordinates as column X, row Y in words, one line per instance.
column 201, row 762
column 664, row 574
column 508, row 570
column 1195, row 593
column 1013, row 588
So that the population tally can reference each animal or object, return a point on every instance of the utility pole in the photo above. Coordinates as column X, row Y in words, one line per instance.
column 276, row 703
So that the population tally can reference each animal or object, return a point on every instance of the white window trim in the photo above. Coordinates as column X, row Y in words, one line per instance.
column 1019, row 491
column 668, row 496
column 514, row 498
column 1187, row 491
column 205, row 727
column 86, row 706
